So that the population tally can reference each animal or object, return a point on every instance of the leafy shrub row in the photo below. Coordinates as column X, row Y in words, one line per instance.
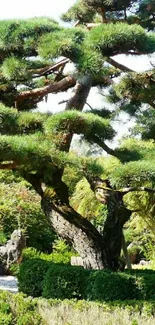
column 22, row 310
column 44, row 278
column 82, row 312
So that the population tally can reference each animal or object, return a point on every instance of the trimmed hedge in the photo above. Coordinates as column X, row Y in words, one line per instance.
column 108, row 286
column 31, row 276
column 63, row 282
column 38, row 277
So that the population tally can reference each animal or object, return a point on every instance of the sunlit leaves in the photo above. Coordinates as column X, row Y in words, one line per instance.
column 62, row 42
column 15, row 69
column 88, row 124
column 15, row 35
column 84, row 201
column 118, row 38
column 136, row 173
column 133, row 90
column 12, row 122
column 145, row 124
column 79, row 11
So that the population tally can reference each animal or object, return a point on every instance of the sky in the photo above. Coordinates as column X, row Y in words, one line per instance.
column 34, row 8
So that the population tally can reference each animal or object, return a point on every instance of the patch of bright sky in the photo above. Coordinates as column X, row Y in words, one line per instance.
column 34, row 8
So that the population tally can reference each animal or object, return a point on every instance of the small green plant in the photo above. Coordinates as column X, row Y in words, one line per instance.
column 3, row 238
column 14, row 269
column 6, row 319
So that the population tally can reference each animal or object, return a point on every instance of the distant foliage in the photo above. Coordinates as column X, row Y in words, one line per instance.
column 20, row 207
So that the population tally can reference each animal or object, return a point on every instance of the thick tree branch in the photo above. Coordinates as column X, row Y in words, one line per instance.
column 151, row 104
column 136, row 189
column 61, row 85
column 119, row 65
column 54, row 67
column 9, row 165
column 102, row 81
column 34, row 180
column 104, row 21
column 92, row 25
column 86, row 240
column 105, row 147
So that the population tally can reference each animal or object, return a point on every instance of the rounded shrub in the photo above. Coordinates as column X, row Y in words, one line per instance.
column 110, row 286
column 65, row 282
column 31, row 275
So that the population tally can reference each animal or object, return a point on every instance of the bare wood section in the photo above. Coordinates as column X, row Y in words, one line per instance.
column 61, row 85
column 119, row 65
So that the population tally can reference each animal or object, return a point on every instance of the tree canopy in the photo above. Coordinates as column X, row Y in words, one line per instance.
column 33, row 55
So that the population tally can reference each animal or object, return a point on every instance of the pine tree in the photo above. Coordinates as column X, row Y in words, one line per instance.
column 38, row 145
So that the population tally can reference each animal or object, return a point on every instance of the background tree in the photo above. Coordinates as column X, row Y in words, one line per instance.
column 38, row 145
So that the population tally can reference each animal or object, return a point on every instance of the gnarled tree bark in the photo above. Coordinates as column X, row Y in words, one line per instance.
column 117, row 215
column 85, row 238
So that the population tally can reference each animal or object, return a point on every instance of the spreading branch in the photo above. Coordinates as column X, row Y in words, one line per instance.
column 54, row 67
column 8, row 166
column 55, row 87
column 136, row 189
column 151, row 104
column 102, row 145
column 119, row 65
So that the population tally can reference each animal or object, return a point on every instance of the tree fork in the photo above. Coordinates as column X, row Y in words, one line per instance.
column 80, row 94
column 117, row 215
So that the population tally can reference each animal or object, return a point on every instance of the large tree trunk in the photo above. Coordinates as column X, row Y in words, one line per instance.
column 68, row 224
column 117, row 215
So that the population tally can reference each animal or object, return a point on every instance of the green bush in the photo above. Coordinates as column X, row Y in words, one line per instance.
column 109, row 286
column 31, row 275
column 14, row 269
column 18, row 310
column 5, row 319
column 5, row 312
column 42, row 274
column 20, row 207
column 63, row 281
column 145, row 281
column 32, row 270
column 30, row 253
column 146, row 284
